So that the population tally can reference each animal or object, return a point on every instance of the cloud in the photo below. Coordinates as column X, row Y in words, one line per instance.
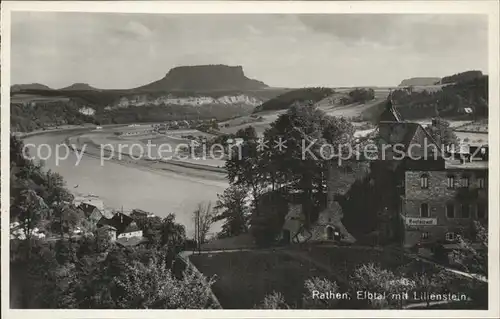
column 115, row 50
column 421, row 32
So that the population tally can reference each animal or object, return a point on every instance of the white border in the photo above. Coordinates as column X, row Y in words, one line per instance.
column 490, row 8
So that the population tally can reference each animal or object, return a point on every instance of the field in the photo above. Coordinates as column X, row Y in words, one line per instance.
column 262, row 120
column 245, row 278
column 27, row 98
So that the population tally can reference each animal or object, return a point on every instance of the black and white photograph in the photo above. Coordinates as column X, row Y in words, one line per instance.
column 249, row 161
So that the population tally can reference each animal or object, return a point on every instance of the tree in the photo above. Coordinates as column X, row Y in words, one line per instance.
column 231, row 208
column 172, row 233
column 316, row 284
column 203, row 218
column 28, row 209
column 473, row 255
column 374, row 279
column 441, row 132
column 245, row 170
column 274, row 301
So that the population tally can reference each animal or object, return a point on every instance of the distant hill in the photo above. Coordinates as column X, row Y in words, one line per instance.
column 79, row 87
column 32, row 86
column 465, row 100
column 284, row 101
column 462, row 77
column 419, row 81
column 204, row 78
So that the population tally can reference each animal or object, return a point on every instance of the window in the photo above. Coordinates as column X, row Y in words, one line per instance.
column 451, row 181
column 424, row 210
column 424, row 181
column 450, row 236
column 450, row 210
column 425, row 235
column 481, row 211
column 481, row 182
column 465, row 181
column 465, row 211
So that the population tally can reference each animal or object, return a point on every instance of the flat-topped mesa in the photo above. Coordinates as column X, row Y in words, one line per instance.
column 204, row 78
column 420, row 81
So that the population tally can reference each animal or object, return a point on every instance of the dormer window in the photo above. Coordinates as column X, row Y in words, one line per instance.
column 424, row 181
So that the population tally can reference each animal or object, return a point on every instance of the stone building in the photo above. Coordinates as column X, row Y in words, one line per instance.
column 437, row 206
column 439, row 198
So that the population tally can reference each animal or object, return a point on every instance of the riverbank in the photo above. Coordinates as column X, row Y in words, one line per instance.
column 205, row 172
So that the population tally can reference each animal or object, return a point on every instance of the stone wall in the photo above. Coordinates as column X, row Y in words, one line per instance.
column 437, row 196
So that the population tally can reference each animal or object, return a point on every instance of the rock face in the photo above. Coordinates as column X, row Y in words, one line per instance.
column 32, row 86
column 204, row 78
column 170, row 99
column 420, row 81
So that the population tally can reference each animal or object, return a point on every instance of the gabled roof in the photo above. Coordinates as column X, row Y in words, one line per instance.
column 390, row 113
column 119, row 221
column 87, row 208
column 405, row 134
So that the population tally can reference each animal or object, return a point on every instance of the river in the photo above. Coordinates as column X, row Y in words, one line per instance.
column 130, row 186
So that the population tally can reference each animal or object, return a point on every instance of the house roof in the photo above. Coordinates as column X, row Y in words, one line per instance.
column 119, row 221
column 390, row 113
column 87, row 208
column 405, row 134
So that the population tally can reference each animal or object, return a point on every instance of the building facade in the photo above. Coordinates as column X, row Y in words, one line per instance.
column 439, row 206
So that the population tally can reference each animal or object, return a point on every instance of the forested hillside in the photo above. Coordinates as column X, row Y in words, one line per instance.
column 461, row 100
column 26, row 118
column 284, row 101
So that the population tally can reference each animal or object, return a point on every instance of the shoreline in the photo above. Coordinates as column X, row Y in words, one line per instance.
column 202, row 174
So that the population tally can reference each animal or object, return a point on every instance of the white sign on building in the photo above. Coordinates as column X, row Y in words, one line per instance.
column 418, row 221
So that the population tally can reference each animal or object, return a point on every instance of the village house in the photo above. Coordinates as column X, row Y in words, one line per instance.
column 439, row 197
column 429, row 197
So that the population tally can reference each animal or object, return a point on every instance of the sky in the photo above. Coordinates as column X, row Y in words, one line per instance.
column 119, row 51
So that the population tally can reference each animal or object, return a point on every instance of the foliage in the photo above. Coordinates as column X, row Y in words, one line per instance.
column 317, row 284
column 274, row 301
column 441, row 132
column 474, row 259
column 203, row 218
column 26, row 118
column 359, row 95
column 79, row 275
column 152, row 286
column 448, row 102
column 462, row 77
column 39, row 197
column 284, row 101
column 299, row 166
column 231, row 208
column 374, row 279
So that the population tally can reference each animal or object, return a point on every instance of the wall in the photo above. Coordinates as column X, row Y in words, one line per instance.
column 437, row 196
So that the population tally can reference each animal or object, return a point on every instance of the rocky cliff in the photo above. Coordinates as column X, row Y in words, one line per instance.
column 170, row 99
column 204, row 78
